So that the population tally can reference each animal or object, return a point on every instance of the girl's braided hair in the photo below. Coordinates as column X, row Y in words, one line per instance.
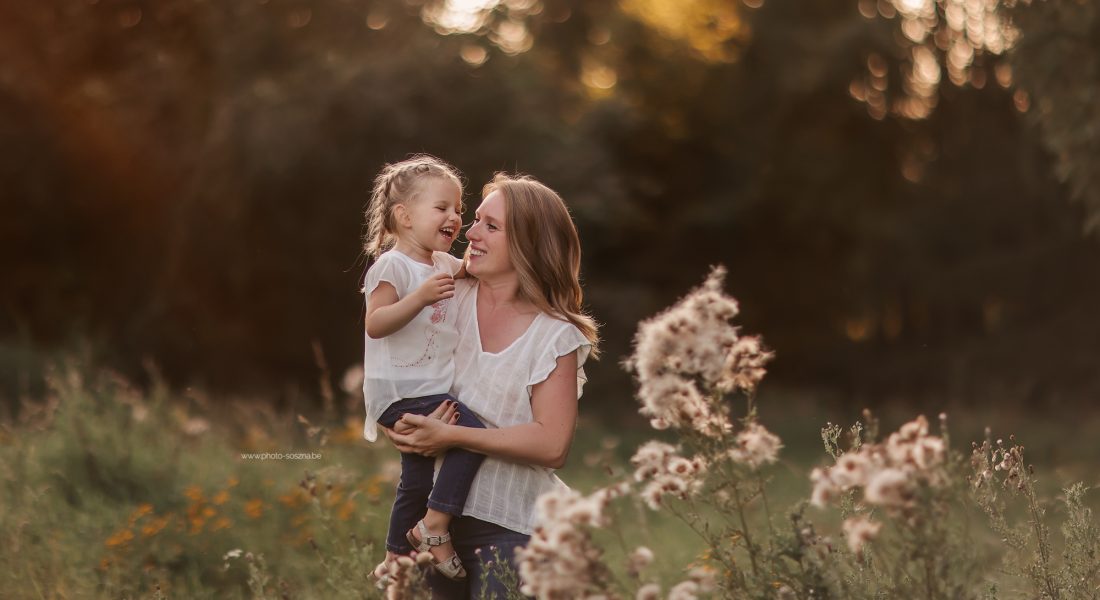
column 398, row 183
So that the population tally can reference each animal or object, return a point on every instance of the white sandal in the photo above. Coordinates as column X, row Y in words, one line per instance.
column 451, row 568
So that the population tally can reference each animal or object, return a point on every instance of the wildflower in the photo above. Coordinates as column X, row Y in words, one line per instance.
column 194, row 493
column 704, row 576
column 649, row 591
column 120, row 538
column 756, row 446
column 785, row 593
column 155, row 525
column 195, row 426
column 234, row 553
column 693, row 342
column 859, row 531
column 890, row 488
column 666, row 473
column 352, row 381
column 824, row 487
column 141, row 511
column 890, row 472
column 685, row 590
column 639, row 559
column 851, row 470
column 254, row 508
column 561, row 560
column 402, row 577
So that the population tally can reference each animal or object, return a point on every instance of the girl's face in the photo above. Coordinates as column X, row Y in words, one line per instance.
column 488, row 251
column 431, row 221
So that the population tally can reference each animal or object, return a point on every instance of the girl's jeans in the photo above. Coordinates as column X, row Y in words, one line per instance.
column 488, row 552
column 415, row 492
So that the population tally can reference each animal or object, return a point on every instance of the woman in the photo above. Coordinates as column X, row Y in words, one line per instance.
column 523, row 341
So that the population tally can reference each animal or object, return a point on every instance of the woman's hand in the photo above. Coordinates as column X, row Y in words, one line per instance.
column 424, row 435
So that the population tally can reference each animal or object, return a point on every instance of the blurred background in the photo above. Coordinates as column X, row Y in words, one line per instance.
column 904, row 191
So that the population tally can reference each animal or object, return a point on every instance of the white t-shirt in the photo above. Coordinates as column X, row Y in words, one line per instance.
column 417, row 360
column 497, row 387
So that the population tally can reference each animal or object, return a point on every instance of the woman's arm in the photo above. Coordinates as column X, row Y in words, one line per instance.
column 544, row 441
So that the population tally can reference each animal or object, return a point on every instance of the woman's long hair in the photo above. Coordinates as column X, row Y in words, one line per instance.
column 545, row 250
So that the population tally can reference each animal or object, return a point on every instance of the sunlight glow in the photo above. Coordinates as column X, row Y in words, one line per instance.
column 947, row 37
column 460, row 16
column 711, row 28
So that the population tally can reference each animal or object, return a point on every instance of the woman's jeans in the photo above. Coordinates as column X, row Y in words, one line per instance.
column 488, row 552
column 415, row 491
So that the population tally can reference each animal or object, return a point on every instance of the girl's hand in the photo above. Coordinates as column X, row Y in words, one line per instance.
column 435, row 288
column 427, row 438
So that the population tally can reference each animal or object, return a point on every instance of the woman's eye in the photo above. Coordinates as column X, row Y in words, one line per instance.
column 493, row 227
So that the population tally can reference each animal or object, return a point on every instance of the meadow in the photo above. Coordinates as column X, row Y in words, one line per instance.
column 114, row 491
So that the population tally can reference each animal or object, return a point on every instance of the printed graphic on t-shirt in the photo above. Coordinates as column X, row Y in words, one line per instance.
column 439, row 314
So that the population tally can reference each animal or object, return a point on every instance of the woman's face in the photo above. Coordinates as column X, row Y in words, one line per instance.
column 488, row 252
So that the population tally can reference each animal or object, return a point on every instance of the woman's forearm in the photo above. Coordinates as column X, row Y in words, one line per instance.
column 532, row 443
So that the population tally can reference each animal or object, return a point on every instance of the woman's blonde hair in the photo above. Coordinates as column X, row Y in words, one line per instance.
column 544, row 249
column 398, row 183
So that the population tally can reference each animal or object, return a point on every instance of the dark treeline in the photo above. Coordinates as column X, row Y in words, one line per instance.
column 184, row 181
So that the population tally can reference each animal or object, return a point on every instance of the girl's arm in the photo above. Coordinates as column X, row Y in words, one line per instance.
column 386, row 313
column 544, row 441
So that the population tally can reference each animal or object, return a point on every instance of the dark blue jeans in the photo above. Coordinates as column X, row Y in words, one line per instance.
column 415, row 491
column 481, row 546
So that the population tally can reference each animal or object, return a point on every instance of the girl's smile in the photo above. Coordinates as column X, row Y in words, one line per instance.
column 431, row 221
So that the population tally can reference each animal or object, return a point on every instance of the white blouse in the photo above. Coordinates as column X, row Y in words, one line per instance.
column 497, row 387
column 416, row 359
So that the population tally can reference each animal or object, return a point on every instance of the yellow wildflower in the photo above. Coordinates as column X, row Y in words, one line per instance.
column 194, row 493
column 120, row 538
column 155, row 525
column 254, row 508
column 346, row 510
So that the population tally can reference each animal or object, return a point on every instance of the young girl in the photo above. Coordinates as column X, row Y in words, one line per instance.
column 414, row 215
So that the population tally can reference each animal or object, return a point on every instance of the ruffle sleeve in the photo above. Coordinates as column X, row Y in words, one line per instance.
column 389, row 269
column 566, row 340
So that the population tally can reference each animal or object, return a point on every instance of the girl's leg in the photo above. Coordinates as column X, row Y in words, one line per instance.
column 447, row 495
column 415, row 484
column 410, row 502
column 452, row 485
column 457, row 471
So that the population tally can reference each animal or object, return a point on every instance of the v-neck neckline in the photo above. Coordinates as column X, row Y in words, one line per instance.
column 477, row 328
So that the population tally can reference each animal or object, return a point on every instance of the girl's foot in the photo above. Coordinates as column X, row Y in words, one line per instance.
column 444, row 558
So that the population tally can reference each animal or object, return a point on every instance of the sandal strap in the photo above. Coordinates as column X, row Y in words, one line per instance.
column 451, row 568
column 429, row 539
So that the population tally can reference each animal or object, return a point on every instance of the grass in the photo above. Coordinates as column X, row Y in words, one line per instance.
column 109, row 491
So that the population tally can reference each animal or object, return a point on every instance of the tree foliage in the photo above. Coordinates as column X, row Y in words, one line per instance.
column 186, row 179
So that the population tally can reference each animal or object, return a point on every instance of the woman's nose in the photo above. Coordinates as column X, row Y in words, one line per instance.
column 472, row 232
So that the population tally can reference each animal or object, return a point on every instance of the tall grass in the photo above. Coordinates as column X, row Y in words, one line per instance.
column 111, row 491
